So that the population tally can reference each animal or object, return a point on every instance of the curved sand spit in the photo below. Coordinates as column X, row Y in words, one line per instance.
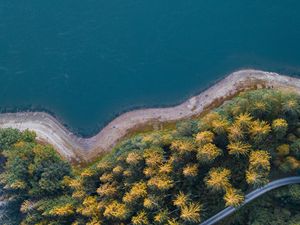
column 78, row 149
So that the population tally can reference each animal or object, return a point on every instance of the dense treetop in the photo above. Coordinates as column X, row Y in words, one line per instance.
column 169, row 176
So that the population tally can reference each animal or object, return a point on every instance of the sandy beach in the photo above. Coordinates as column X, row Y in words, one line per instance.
column 78, row 149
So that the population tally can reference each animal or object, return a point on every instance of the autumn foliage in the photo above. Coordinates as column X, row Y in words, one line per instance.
column 170, row 176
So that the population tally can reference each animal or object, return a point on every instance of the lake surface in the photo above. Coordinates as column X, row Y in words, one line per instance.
column 87, row 61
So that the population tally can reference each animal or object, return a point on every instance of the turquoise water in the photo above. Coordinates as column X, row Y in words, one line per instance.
column 87, row 61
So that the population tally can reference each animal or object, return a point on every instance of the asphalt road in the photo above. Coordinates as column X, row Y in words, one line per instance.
column 251, row 196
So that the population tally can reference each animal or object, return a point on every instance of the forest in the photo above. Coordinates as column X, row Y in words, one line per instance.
column 177, row 175
column 277, row 207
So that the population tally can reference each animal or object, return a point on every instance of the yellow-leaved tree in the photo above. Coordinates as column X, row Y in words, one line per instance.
column 181, row 200
column 137, row 191
column 116, row 210
column 259, row 130
column 208, row 153
column 204, row 137
column 279, row 127
column 218, row 179
column 238, row 148
column 233, row 197
column 191, row 212
column 140, row 219
column 259, row 168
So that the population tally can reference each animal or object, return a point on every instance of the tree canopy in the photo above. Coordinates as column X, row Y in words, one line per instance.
column 180, row 175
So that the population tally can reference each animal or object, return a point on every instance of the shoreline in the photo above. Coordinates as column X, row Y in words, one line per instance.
column 78, row 149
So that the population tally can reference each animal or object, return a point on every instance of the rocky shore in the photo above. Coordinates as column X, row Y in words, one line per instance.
column 78, row 149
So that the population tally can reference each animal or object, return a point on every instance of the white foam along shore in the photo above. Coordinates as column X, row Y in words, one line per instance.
column 78, row 149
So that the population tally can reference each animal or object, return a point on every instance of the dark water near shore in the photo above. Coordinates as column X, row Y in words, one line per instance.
column 87, row 61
